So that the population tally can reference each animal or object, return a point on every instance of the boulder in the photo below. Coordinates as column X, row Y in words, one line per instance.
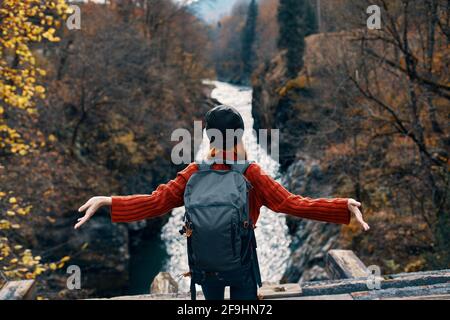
column 163, row 284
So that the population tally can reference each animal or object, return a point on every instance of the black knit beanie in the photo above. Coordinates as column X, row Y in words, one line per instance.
column 222, row 118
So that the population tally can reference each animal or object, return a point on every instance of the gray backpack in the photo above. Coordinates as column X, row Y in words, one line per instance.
column 220, row 237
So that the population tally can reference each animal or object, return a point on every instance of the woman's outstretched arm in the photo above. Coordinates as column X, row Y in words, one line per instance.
column 277, row 198
column 138, row 207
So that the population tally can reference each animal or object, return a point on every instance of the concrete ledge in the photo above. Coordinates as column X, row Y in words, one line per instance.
column 18, row 290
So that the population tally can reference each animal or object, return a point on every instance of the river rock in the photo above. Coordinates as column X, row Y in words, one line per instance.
column 310, row 239
column 163, row 284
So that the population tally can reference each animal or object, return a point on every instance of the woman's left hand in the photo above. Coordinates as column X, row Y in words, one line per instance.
column 91, row 207
column 353, row 206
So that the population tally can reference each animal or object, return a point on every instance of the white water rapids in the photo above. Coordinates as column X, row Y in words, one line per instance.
column 271, row 235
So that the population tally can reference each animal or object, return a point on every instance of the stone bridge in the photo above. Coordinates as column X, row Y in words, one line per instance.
column 350, row 280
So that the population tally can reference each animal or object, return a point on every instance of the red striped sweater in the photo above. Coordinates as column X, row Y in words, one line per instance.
column 265, row 192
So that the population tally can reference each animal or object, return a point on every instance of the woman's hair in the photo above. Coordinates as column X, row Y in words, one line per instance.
column 238, row 150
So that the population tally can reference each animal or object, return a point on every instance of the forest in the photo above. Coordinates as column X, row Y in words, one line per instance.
column 90, row 112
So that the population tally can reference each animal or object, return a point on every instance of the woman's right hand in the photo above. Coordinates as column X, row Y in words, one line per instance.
column 91, row 207
column 354, row 206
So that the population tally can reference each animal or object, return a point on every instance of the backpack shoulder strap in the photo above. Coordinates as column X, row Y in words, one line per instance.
column 241, row 167
column 203, row 165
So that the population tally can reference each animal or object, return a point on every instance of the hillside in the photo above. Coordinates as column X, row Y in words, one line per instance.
column 332, row 144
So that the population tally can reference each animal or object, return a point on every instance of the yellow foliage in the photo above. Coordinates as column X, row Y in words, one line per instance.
column 18, row 262
column 65, row 259
column 301, row 82
column 5, row 224
column 18, row 82
column 52, row 138
column 416, row 265
column 23, row 24
column 127, row 140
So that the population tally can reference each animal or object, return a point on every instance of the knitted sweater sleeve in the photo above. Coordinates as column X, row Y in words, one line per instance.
column 274, row 196
column 162, row 200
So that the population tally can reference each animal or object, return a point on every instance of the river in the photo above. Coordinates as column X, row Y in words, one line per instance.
column 271, row 234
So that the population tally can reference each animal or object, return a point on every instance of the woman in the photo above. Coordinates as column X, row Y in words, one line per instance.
column 265, row 191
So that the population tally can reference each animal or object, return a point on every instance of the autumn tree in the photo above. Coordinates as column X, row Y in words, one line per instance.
column 267, row 31
column 380, row 100
column 413, row 47
column 114, row 92
column 296, row 19
column 371, row 107
column 226, row 37
column 23, row 25
column 248, row 41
